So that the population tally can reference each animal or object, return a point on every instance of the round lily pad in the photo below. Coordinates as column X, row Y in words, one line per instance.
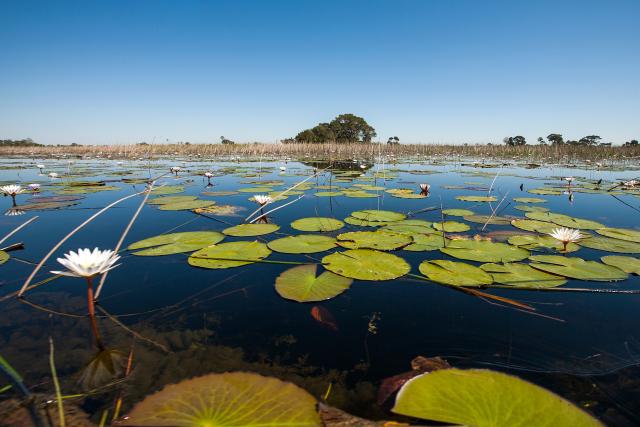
column 381, row 240
column 168, row 189
column 540, row 242
column 522, row 276
column 363, row 222
column 170, row 199
column 366, row 264
column 454, row 273
column 610, row 245
column 378, row 215
column 426, row 242
column 564, row 220
column 328, row 193
column 627, row 264
column 4, row 257
column 477, row 198
column 231, row 254
column 533, row 225
column 186, row 205
column 527, row 208
column 576, row 268
column 302, row 244
column 457, row 212
column 621, row 233
column 529, row 200
column 175, row 243
column 229, row 399
column 249, row 230
column 301, row 284
column 484, row 251
column 317, row 224
column 451, row 226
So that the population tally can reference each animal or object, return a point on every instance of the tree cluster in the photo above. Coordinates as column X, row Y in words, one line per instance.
column 345, row 128
column 557, row 139
column 28, row 142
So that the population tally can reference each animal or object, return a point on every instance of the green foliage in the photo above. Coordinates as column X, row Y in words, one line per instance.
column 345, row 128
column 301, row 284
column 366, row 264
column 28, row 142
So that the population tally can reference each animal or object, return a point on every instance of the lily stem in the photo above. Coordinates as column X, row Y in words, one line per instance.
column 92, row 314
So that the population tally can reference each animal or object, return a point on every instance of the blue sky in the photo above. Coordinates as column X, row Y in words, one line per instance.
column 427, row 71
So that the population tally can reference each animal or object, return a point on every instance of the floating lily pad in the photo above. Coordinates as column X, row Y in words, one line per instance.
column 366, row 264
column 317, row 224
column 454, row 273
column 219, row 210
column 175, row 243
column 576, row 268
column 378, row 215
column 477, row 198
column 328, row 193
column 409, row 228
column 426, row 242
column 255, row 190
column 527, row 208
column 564, row 220
column 451, row 226
column 522, row 276
column 186, row 205
column 621, row 233
column 302, row 244
column 488, row 219
column 170, row 199
column 533, row 225
column 484, row 398
column 363, row 222
column 610, row 245
column 231, row 254
column 545, row 191
column 484, row 251
column 627, row 264
column 360, row 194
column 535, row 241
column 249, row 230
column 301, row 284
column 4, row 257
column 457, row 212
column 168, row 189
column 529, row 200
column 219, row 193
column 229, row 399
column 409, row 196
column 381, row 240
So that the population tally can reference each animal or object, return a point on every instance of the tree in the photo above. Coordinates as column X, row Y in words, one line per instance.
column 590, row 140
column 515, row 140
column 541, row 141
column 632, row 143
column 346, row 128
column 226, row 141
column 393, row 140
column 555, row 139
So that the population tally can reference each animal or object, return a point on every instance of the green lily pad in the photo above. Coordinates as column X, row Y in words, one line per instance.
column 627, row 264
column 527, row 208
column 454, row 273
column 426, row 242
column 484, row 398
column 175, row 243
column 522, row 276
column 477, row 198
column 451, row 226
column 378, row 215
column 610, row 245
column 219, row 210
column 4, row 257
column 484, row 251
column 564, row 220
column 186, row 205
column 409, row 196
column 529, row 200
column 328, row 193
column 219, row 193
column 487, row 219
column 255, row 190
column 406, row 228
column 229, row 399
column 301, row 284
column 545, row 191
column 363, row 222
column 366, row 264
column 535, row 241
column 302, row 244
column 231, row 254
column 168, row 189
column 576, row 268
column 533, row 225
column 381, row 240
column 457, row 212
column 249, row 230
column 317, row 224
column 621, row 233
column 360, row 194
column 170, row 199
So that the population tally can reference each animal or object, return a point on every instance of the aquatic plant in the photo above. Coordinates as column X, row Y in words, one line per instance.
column 566, row 236
column 12, row 191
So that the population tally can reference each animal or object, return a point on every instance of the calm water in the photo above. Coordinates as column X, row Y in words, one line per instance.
column 230, row 319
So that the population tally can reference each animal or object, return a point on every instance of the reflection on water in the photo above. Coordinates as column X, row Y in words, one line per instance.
column 177, row 321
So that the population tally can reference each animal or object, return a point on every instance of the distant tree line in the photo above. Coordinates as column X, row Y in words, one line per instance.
column 557, row 139
column 345, row 128
column 28, row 142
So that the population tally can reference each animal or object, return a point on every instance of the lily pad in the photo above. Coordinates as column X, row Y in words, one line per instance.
column 454, row 273
column 451, row 226
column 610, row 245
column 457, row 212
column 231, row 254
column 564, row 220
column 317, row 224
column 168, row 189
column 527, row 208
column 4, row 257
column 301, row 284
column 488, row 219
column 477, row 198
column 249, row 230
column 186, row 205
column 366, row 264
column 219, row 210
column 378, row 215
column 328, row 193
column 484, row 398
column 621, row 233
column 484, row 251
column 426, row 242
column 533, row 225
column 175, row 243
column 627, row 264
column 576, row 268
column 381, row 240
column 170, row 199
column 522, row 276
column 363, row 222
column 529, row 200
column 535, row 241
column 229, row 399
column 302, row 244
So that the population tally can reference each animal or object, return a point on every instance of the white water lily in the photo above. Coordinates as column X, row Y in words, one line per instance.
column 283, row 168
column 569, row 179
column 175, row 169
column 425, row 188
column 11, row 190
column 40, row 166
column 53, row 175
column 262, row 199
column 34, row 187
column 566, row 235
column 86, row 263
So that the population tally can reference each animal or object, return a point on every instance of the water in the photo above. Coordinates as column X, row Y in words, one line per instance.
column 190, row 321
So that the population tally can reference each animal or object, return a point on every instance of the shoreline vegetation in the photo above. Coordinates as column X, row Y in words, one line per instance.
column 524, row 153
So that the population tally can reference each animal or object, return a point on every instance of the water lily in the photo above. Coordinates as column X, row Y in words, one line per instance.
column 175, row 169
column 34, row 187
column 566, row 236
column 40, row 166
column 632, row 183
column 53, row 175
column 12, row 190
column 569, row 179
column 424, row 189
column 262, row 199
column 283, row 168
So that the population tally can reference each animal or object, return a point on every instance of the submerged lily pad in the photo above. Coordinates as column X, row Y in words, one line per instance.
column 610, row 245
column 381, row 240
column 175, row 243
column 302, row 244
column 378, row 215
column 621, row 233
column 366, row 264
column 484, row 398
column 229, row 399
column 317, row 224
column 522, row 276
column 301, row 284
column 454, row 273
column 249, row 230
column 576, row 268
column 484, row 251
column 231, row 254
column 627, row 264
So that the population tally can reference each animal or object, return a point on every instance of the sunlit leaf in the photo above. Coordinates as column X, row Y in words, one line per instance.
column 301, row 284
column 451, row 226
column 564, row 220
column 627, row 264
column 302, row 244
column 454, row 273
column 522, row 276
column 381, row 240
column 366, row 264
column 477, row 198
column 4, row 257
column 174, row 243
column 317, row 224
column 231, row 254
column 610, row 245
column 378, row 215
column 576, row 268
column 540, row 242
column 484, row 251
column 249, row 230
column 621, row 233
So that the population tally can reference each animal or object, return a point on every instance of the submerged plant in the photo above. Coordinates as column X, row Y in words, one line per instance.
column 12, row 191
column 566, row 236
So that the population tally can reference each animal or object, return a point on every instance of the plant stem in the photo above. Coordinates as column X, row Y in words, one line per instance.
column 92, row 314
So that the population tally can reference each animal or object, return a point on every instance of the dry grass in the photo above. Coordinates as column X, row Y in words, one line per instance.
column 531, row 153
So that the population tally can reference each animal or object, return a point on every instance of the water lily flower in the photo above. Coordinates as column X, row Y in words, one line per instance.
column 12, row 190
column 34, row 187
column 40, row 166
column 262, row 199
column 175, row 169
column 569, row 179
column 53, row 175
column 632, row 183
column 208, row 174
column 566, row 236
column 88, row 264
column 283, row 168
column 425, row 188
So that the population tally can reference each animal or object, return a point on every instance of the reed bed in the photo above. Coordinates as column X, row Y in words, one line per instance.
column 530, row 153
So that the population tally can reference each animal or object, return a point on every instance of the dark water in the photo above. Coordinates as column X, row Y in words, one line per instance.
column 585, row 347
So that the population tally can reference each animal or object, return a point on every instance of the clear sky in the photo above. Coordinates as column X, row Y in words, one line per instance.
column 447, row 71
